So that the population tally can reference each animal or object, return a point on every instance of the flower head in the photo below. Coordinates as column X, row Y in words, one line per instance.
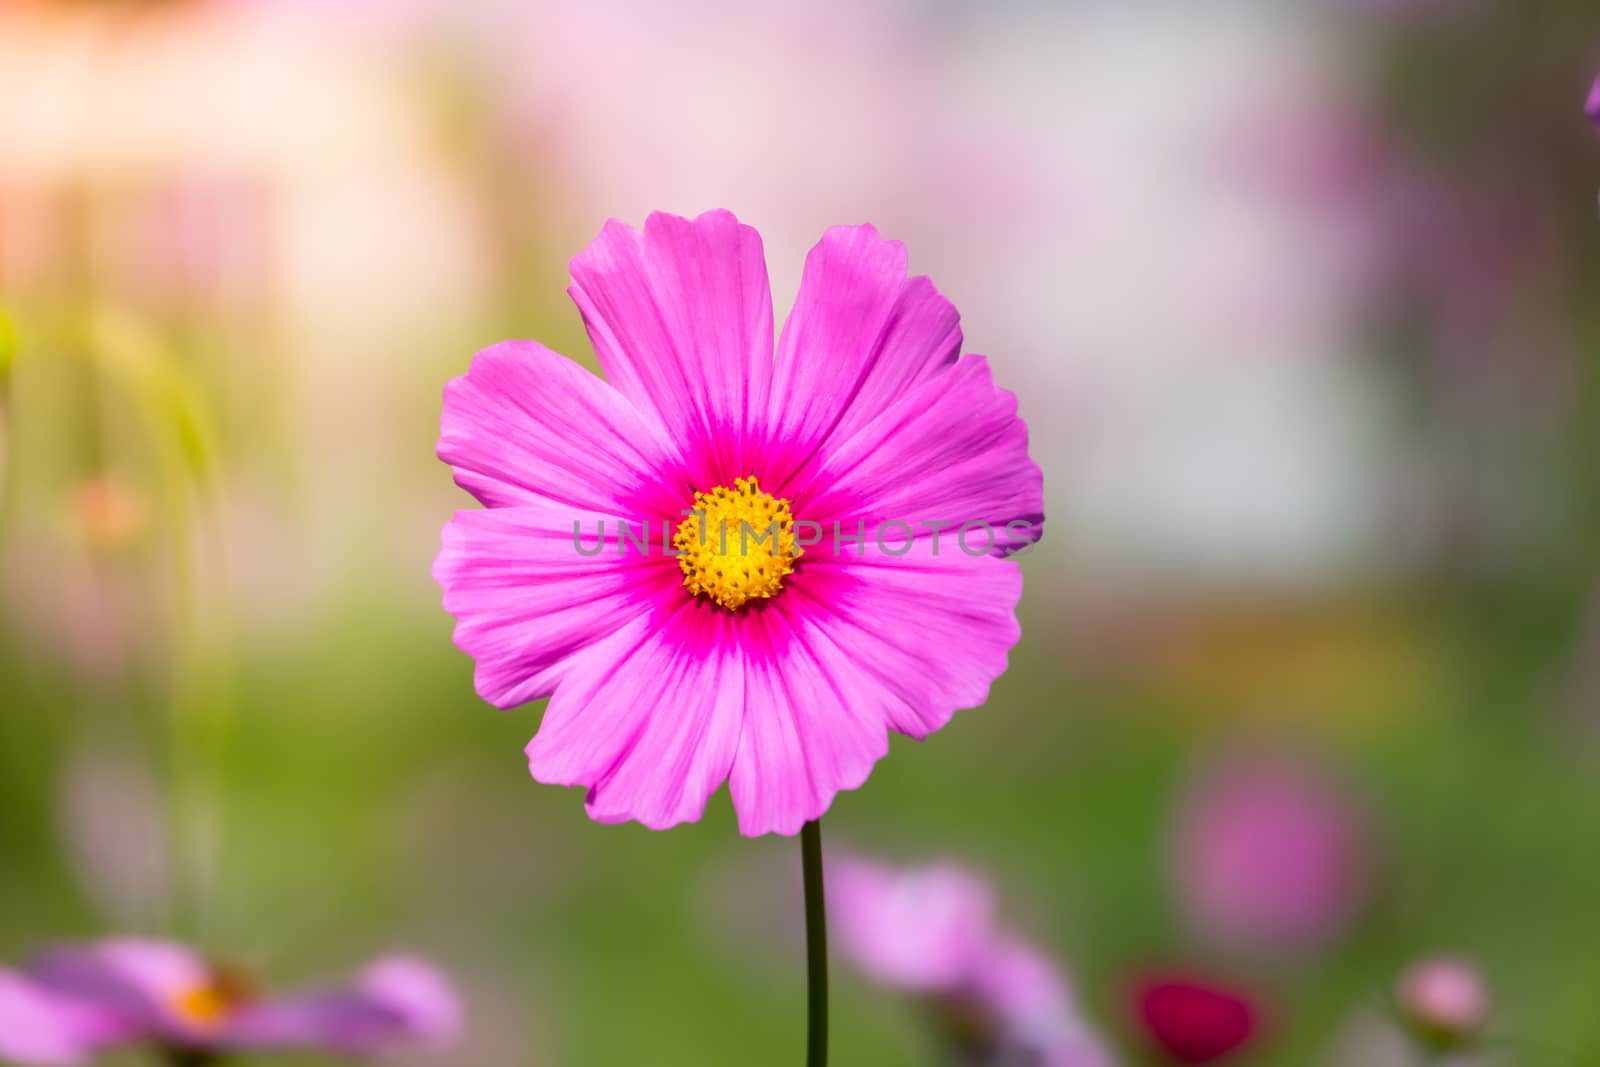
column 930, row 933
column 1592, row 106
column 807, row 541
column 1443, row 1001
column 1195, row 1020
column 1268, row 854
column 167, row 993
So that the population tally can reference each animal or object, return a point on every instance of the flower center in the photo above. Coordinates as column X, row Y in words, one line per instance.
column 209, row 1005
column 738, row 545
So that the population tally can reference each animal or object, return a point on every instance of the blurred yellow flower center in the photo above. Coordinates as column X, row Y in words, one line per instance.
column 211, row 1004
column 738, row 545
column 206, row 1005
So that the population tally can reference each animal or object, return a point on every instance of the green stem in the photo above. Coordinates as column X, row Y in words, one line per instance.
column 816, row 947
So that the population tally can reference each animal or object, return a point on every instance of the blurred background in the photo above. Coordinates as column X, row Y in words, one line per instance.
column 1300, row 304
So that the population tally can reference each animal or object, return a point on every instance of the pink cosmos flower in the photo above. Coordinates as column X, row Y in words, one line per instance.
column 1268, row 854
column 930, row 932
column 777, row 665
column 37, row 1026
column 166, row 993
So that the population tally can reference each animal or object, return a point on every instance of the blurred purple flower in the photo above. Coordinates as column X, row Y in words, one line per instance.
column 930, row 932
column 1268, row 854
column 39, row 1027
column 1592, row 106
column 167, row 993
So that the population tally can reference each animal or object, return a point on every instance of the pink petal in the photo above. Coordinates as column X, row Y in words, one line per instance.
column 139, row 982
column 527, row 426
column 398, row 1001
column 419, row 994
column 1071, row 1044
column 335, row 1021
column 526, row 600
column 40, row 1026
column 856, row 643
column 1022, row 986
column 919, row 636
column 648, row 718
column 1028, row 996
column 809, row 732
column 920, row 930
column 949, row 451
column 860, row 334
column 681, row 319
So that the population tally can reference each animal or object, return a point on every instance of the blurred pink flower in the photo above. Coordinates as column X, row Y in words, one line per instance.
column 929, row 932
column 1592, row 106
column 39, row 1027
column 1268, row 854
column 673, row 669
column 1444, row 1001
column 1033, row 1006
column 167, row 993
column 920, row 930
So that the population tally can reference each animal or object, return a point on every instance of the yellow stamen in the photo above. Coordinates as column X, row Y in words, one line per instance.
column 205, row 1005
column 738, row 546
column 211, row 1003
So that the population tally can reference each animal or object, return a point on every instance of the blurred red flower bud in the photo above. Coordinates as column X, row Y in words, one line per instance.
column 1195, row 1020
